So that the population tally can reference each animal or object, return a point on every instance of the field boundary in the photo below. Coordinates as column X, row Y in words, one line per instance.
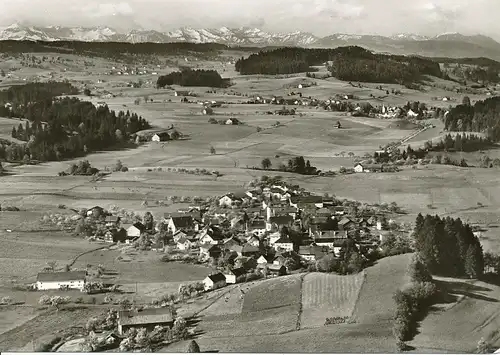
column 301, row 306
column 352, row 321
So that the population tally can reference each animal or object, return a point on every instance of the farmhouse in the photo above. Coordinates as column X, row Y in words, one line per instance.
column 276, row 270
column 186, row 223
column 277, row 222
column 135, row 230
column 262, row 260
column 257, row 226
column 215, row 281
column 145, row 318
column 182, row 93
column 284, row 243
column 160, row 137
column 233, row 275
column 210, row 251
column 229, row 199
column 249, row 250
column 367, row 168
column 207, row 111
column 312, row 252
column 58, row 280
column 184, row 243
column 302, row 202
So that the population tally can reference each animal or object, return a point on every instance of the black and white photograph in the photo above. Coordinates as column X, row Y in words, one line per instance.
column 250, row 176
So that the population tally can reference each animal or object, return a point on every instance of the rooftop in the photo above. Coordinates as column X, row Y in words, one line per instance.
column 61, row 276
column 145, row 316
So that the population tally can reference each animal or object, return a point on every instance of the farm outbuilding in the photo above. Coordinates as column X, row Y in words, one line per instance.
column 215, row 281
column 58, row 280
column 160, row 137
column 207, row 111
column 145, row 318
column 233, row 275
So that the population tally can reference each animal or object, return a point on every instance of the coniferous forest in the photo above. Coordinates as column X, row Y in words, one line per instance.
column 348, row 63
column 63, row 127
column 482, row 117
column 448, row 247
column 189, row 77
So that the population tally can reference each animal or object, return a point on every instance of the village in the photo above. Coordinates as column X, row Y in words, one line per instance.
column 268, row 231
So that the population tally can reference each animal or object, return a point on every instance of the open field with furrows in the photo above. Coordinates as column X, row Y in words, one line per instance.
column 366, row 334
column 328, row 295
column 44, row 326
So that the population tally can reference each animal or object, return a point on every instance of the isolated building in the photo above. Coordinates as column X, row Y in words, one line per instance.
column 58, row 280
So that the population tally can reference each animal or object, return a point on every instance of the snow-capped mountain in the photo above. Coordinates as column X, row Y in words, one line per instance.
column 449, row 44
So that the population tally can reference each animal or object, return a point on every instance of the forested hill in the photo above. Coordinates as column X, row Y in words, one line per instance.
column 60, row 128
column 349, row 63
column 484, row 117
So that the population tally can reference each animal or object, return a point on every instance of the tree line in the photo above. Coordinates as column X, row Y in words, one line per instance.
column 108, row 49
column 349, row 63
column 188, row 77
column 482, row 117
column 448, row 247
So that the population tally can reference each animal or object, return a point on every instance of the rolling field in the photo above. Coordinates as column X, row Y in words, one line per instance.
column 328, row 295
column 273, row 293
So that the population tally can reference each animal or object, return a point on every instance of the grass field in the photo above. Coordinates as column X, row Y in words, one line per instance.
column 273, row 294
column 328, row 295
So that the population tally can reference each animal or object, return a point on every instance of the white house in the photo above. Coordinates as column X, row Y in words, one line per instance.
column 262, row 260
column 233, row 275
column 273, row 237
column 213, row 282
column 56, row 280
column 135, row 230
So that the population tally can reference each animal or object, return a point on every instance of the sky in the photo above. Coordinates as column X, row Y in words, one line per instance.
column 320, row 17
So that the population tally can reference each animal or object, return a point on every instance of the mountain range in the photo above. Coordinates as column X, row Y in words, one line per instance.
column 444, row 45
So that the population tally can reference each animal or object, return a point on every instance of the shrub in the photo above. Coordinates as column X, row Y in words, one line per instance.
column 44, row 300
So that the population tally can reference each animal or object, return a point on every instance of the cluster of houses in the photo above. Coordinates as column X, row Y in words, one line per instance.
column 131, row 71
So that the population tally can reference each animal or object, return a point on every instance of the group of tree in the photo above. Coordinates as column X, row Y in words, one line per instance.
column 189, row 77
column 448, row 247
column 59, row 128
column 413, row 302
column 299, row 165
column 459, row 142
column 349, row 261
column 481, row 117
column 350, row 63
column 82, row 168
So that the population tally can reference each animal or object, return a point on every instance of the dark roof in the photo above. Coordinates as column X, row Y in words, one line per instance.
column 217, row 277
column 306, row 199
column 145, row 316
column 273, row 267
column 370, row 166
column 258, row 223
column 238, row 272
column 281, row 220
column 139, row 226
column 283, row 240
column 182, row 221
column 248, row 248
column 61, row 276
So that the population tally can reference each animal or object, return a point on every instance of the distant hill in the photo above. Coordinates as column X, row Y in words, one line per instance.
column 453, row 45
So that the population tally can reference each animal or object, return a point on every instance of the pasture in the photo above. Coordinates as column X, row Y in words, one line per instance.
column 328, row 295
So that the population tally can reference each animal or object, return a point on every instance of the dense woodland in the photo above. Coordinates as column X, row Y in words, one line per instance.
column 59, row 128
column 188, row 77
column 448, row 247
column 349, row 63
column 482, row 117
column 108, row 49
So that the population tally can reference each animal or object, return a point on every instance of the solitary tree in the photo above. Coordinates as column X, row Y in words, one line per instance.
column 266, row 163
column 87, row 92
column 212, row 150
column 466, row 101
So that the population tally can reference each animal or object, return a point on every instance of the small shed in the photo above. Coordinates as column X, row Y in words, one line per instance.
column 146, row 318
